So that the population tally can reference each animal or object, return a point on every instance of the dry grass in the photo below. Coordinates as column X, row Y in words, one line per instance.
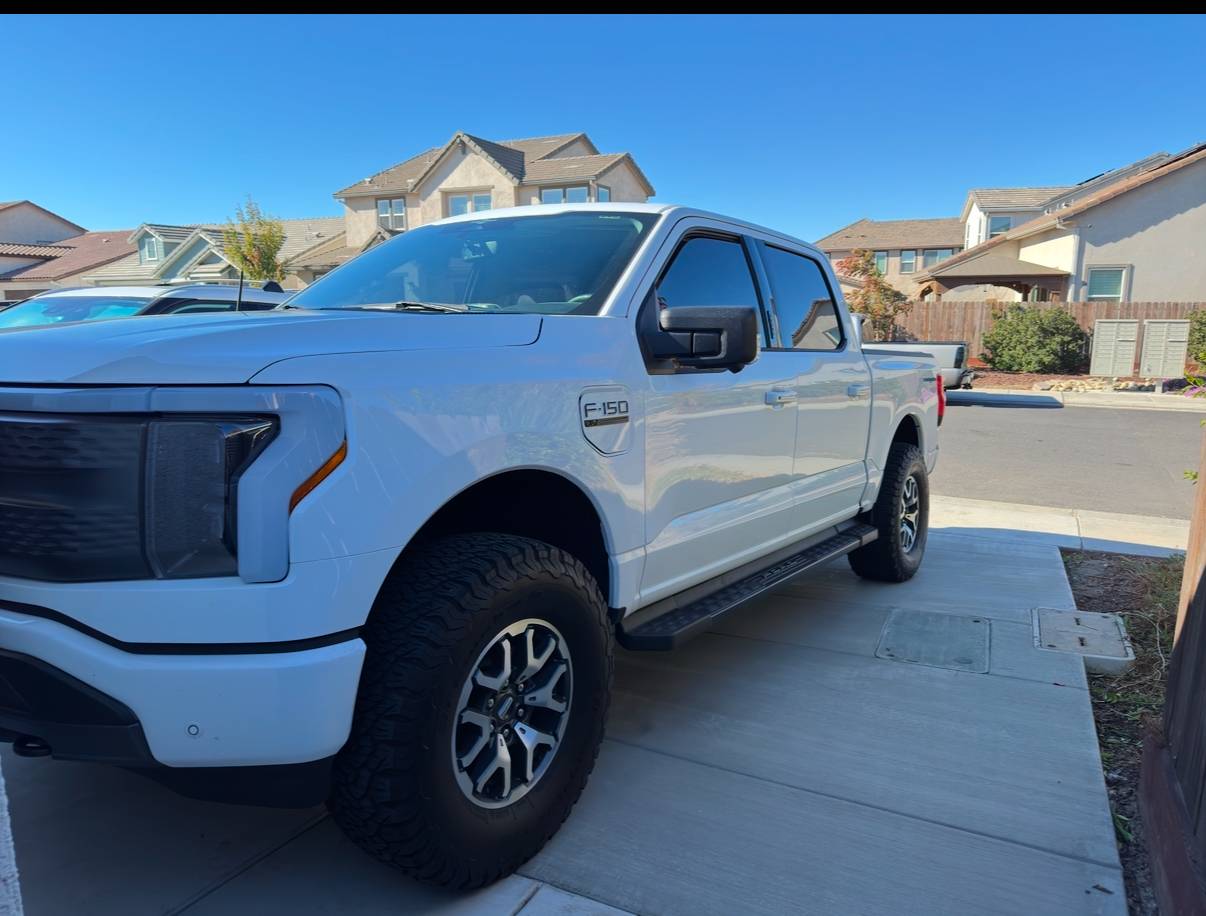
column 1144, row 592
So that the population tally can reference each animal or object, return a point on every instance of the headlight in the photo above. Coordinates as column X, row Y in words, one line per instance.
column 95, row 497
column 192, row 480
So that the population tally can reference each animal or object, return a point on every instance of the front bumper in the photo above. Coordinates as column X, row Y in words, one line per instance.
column 220, row 709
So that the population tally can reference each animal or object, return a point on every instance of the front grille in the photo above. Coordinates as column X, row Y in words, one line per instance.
column 71, row 497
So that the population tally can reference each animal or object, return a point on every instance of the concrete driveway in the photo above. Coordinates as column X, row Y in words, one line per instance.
column 839, row 746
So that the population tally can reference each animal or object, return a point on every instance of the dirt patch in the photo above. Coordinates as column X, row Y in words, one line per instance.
column 1143, row 591
column 990, row 378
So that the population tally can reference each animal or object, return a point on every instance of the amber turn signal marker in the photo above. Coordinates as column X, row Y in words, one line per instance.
column 319, row 476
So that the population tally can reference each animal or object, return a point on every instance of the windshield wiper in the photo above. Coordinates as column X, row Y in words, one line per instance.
column 408, row 305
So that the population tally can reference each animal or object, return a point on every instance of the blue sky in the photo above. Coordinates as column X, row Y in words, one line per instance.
column 803, row 124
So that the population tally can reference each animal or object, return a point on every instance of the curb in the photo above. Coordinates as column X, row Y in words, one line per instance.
column 1126, row 400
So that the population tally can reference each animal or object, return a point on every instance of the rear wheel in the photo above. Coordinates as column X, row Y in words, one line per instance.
column 481, row 708
column 901, row 514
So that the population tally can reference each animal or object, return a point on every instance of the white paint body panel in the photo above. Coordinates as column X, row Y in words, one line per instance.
column 708, row 476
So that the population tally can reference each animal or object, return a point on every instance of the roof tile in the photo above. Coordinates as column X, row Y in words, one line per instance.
column 946, row 232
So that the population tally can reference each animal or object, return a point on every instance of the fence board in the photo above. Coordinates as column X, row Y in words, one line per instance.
column 1184, row 722
column 943, row 320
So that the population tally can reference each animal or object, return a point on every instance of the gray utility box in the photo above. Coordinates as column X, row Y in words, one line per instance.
column 1114, row 344
column 1165, row 346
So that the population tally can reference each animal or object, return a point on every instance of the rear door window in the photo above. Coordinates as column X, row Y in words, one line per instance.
column 808, row 315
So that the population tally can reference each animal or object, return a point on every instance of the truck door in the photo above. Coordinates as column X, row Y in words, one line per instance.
column 719, row 446
column 832, row 386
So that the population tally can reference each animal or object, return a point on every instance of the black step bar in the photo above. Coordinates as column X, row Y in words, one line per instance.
column 671, row 622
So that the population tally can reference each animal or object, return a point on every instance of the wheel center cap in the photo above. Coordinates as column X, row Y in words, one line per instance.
column 505, row 706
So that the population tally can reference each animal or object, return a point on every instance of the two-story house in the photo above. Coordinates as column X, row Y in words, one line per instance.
column 1131, row 234
column 469, row 174
column 40, row 250
column 903, row 248
column 1148, row 236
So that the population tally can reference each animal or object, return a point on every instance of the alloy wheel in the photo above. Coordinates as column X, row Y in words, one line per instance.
column 512, row 713
column 910, row 513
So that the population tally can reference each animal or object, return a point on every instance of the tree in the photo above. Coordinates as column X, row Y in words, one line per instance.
column 878, row 300
column 252, row 242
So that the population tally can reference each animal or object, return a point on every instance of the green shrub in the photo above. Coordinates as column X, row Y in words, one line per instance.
column 1030, row 338
column 1197, row 337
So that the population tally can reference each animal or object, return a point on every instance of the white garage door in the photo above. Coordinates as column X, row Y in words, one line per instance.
column 1114, row 346
column 1165, row 345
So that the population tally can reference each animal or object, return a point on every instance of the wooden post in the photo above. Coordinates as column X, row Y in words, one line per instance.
column 1195, row 550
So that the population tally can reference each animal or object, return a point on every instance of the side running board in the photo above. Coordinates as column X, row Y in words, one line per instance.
column 670, row 623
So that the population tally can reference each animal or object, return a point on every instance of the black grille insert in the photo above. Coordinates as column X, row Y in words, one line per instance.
column 71, row 495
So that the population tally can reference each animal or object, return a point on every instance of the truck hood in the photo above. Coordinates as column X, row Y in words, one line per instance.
column 229, row 348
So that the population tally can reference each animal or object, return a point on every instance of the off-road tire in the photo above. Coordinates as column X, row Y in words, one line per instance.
column 395, row 792
column 885, row 559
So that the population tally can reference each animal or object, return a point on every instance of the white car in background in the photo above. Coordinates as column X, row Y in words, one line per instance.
column 92, row 303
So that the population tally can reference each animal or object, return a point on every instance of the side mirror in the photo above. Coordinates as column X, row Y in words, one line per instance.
column 705, row 337
column 857, row 319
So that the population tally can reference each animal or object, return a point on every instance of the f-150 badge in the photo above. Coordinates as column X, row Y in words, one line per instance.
column 605, row 414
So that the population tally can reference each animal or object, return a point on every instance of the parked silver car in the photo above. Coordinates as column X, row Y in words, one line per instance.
column 66, row 306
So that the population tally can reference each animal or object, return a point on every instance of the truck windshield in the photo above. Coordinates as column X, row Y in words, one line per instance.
column 559, row 264
column 36, row 312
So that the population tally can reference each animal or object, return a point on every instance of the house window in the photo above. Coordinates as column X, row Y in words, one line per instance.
column 908, row 261
column 149, row 248
column 391, row 214
column 468, row 203
column 579, row 194
column 933, row 256
column 1105, row 284
column 603, row 194
column 881, row 262
column 999, row 225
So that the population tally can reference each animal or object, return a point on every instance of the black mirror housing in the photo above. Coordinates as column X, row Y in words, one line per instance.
column 705, row 337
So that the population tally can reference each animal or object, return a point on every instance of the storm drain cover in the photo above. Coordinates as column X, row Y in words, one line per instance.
column 936, row 640
column 1100, row 638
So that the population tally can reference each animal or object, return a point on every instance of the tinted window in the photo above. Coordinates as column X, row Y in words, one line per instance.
column 708, row 271
column 565, row 263
column 808, row 317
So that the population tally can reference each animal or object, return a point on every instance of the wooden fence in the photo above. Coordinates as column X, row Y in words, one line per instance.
column 943, row 320
column 1173, row 780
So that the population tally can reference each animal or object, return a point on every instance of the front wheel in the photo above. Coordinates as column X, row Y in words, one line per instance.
column 481, row 708
column 901, row 515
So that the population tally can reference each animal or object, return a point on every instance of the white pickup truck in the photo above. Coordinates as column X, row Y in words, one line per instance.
column 373, row 548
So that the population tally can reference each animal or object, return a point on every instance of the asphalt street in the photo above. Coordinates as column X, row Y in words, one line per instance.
column 1130, row 461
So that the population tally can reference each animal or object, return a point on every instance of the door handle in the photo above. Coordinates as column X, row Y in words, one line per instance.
column 777, row 397
column 858, row 391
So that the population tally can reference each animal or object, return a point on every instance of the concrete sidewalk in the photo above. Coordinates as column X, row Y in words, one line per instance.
column 1130, row 400
column 836, row 746
column 1079, row 529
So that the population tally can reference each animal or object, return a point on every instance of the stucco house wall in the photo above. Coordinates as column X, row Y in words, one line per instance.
column 1157, row 231
column 360, row 218
column 621, row 179
column 976, row 227
column 8, row 263
column 462, row 170
column 902, row 282
column 27, row 223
